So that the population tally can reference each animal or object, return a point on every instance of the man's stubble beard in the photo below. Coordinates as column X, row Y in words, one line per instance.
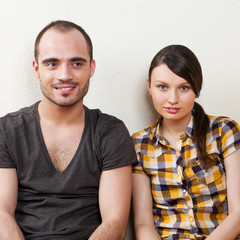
column 81, row 94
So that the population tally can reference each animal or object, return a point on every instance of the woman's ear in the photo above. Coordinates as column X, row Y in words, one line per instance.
column 149, row 86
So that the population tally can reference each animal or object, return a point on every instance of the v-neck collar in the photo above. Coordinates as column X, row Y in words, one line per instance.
column 44, row 147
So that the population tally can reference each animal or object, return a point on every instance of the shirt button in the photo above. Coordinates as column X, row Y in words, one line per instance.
column 191, row 219
column 179, row 173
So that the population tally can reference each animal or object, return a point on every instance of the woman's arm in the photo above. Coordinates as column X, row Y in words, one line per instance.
column 143, row 209
column 230, row 227
column 9, row 229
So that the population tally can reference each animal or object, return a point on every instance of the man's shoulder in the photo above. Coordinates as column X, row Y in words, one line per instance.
column 105, row 125
column 113, row 141
column 18, row 116
column 103, row 118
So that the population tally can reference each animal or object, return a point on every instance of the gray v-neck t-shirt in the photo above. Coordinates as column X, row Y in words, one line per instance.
column 61, row 205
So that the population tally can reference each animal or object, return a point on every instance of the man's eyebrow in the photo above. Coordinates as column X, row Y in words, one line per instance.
column 78, row 59
column 49, row 60
column 74, row 59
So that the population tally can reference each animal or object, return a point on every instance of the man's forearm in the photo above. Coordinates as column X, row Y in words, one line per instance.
column 112, row 230
column 9, row 229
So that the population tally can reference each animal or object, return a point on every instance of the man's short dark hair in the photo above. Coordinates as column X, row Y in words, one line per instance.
column 63, row 26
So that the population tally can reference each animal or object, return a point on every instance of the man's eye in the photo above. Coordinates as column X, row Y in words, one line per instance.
column 52, row 64
column 77, row 64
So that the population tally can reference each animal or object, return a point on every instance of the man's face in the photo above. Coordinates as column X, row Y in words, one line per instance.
column 63, row 67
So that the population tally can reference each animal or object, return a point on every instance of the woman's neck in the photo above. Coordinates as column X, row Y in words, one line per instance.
column 171, row 130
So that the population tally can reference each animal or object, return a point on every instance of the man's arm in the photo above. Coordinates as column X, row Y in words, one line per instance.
column 9, row 229
column 143, row 208
column 230, row 227
column 114, row 201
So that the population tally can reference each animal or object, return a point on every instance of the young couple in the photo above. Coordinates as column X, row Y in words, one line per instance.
column 65, row 170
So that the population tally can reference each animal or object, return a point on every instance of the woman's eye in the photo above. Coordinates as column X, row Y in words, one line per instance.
column 185, row 88
column 162, row 87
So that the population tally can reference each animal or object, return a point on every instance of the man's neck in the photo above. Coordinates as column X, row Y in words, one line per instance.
column 54, row 114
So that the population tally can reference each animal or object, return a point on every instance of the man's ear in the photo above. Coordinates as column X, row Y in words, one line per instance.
column 35, row 68
column 92, row 68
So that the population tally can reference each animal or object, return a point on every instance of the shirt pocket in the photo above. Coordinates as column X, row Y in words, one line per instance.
column 212, row 175
column 165, row 181
column 161, row 167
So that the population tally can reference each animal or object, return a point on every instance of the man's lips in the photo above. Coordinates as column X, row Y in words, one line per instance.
column 65, row 88
column 172, row 110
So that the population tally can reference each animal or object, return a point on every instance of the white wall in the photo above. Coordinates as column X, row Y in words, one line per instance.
column 126, row 35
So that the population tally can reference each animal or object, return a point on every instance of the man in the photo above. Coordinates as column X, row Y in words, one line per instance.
column 65, row 170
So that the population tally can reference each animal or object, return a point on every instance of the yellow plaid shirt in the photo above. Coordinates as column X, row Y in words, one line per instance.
column 188, row 201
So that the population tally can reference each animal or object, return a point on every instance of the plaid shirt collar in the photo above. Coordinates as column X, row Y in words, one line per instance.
column 157, row 138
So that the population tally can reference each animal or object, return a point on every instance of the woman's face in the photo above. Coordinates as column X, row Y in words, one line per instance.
column 173, row 97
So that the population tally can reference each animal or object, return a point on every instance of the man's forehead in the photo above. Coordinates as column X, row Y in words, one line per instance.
column 56, row 33
column 67, row 42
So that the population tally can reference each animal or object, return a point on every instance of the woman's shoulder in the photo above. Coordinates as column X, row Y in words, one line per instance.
column 222, row 122
column 146, row 132
column 220, row 119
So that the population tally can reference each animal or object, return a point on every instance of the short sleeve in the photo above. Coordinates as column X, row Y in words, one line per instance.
column 138, row 167
column 230, row 137
column 115, row 145
column 5, row 159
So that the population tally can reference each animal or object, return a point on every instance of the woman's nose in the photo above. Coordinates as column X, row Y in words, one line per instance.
column 173, row 97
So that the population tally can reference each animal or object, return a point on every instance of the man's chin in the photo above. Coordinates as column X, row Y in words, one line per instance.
column 65, row 104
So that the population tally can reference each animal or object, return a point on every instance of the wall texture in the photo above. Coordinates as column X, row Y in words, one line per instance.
column 126, row 35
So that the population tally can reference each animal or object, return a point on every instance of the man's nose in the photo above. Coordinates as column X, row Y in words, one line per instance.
column 65, row 73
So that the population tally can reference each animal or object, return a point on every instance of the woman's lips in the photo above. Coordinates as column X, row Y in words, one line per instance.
column 172, row 110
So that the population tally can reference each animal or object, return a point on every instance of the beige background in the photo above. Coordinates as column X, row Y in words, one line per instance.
column 126, row 35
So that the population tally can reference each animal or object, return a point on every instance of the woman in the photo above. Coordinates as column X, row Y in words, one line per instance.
column 179, row 184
